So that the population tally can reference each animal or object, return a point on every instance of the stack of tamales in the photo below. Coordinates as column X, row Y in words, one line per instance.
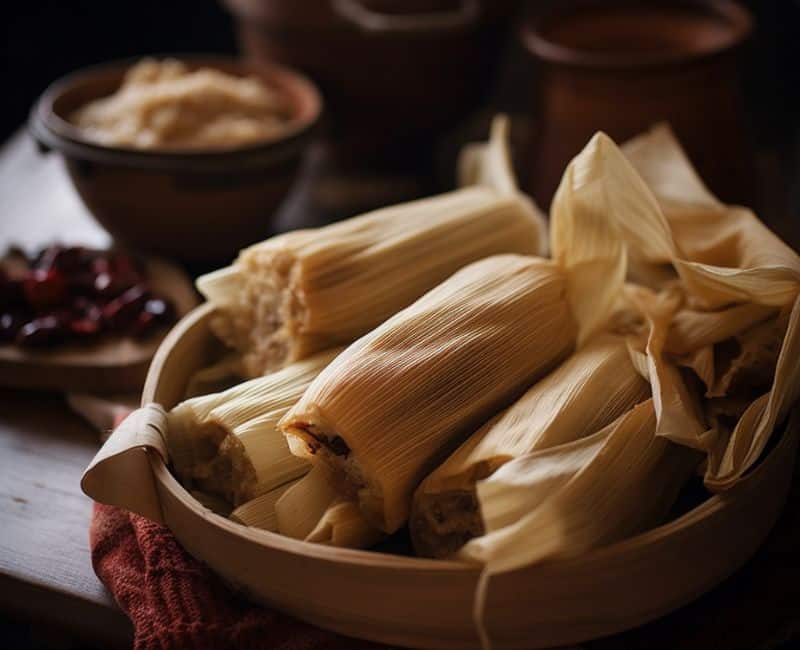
column 510, row 408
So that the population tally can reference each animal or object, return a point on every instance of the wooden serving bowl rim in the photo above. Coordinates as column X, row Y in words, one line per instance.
column 533, row 35
column 199, row 316
column 53, row 130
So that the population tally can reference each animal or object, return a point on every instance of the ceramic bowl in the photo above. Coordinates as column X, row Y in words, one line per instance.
column 194, row 207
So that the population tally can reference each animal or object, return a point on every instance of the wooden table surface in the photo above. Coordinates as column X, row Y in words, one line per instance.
column 45, row 569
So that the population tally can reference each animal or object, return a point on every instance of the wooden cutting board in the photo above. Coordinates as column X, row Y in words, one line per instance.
column 113, row 364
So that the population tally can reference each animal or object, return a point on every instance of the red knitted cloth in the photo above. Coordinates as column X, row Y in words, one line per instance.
column 175, row 602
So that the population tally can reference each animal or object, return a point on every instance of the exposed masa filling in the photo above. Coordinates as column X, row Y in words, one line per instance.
column 347, row 475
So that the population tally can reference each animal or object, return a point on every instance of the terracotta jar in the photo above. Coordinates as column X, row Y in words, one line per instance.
column 394, row 72
column 621, row 66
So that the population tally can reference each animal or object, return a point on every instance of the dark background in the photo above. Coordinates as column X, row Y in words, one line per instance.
column 44, row 39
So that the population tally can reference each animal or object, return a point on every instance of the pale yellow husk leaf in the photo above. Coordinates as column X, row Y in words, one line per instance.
column 676, row 407
column 228, row 443
column 566, row 500
column 585, row 244
column 260, row 512
column 489, row 163
column 733, row 267
column 313, row 511
column 308, row 290
column 585, row 393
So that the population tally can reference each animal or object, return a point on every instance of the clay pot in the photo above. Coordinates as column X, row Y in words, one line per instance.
column 394, row 73
column 621, row 66
column 197, row 207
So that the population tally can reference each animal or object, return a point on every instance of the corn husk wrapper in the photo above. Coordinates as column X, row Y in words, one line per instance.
column 563, row 501
column 228, row 444
column 569, row 499
column 399, row 399
column 585, row 393
column 308, row 290
column 343, row 525
column 736, row 275
column 676, row 404
column 310, row 510
column 260, row 512
column 313, row 511
column 488, row 164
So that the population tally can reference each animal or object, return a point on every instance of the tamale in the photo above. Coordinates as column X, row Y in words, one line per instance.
column 313, row 511
column 735, row 273
column 398, row 400
column 594, row 491
column 227, row 444
column 568, row 499
column 308, row 290
column 585, row 393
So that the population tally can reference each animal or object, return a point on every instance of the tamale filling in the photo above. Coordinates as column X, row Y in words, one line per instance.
column 443, row 523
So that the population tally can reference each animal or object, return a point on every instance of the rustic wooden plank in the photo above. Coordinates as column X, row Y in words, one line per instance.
column 44, row 517
column 45, row 567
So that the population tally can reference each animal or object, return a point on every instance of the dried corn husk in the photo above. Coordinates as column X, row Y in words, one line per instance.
column 489, row 163
column 299, row 511
column 342, row 524
column 585, row 393
column 308, row 290
column 313, row 511
column 228, row 444
column 737, row 274
column 402, row 397
column 310, row 510
column 260, row 512
column 677, row 408
column 568, row 499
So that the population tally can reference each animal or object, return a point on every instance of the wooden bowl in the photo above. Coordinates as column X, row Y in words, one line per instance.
column 428, row 603
column 198, row 206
